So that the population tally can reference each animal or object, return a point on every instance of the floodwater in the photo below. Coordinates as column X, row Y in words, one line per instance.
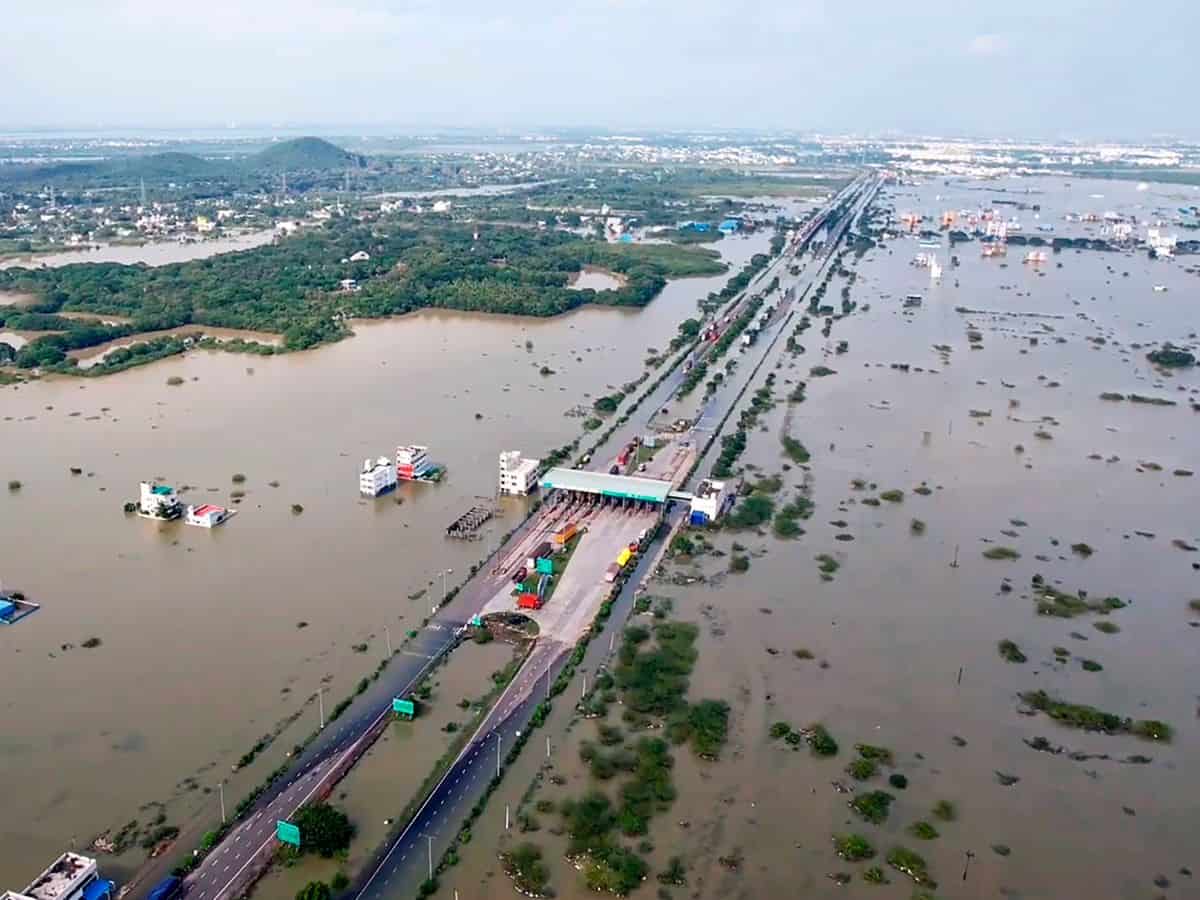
column 896, row 625
column 201, row 650
column 596, row 278
column 152, row 253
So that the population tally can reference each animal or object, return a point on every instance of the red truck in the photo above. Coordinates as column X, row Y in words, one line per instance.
column 528, row 601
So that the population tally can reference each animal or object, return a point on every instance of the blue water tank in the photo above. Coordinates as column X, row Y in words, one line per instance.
column 698, row 517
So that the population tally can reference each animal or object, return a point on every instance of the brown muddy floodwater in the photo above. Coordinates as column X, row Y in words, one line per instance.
column 893, row 628
column 151, row 253
column 201, row 651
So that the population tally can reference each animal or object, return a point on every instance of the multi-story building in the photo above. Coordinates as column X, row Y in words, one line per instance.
column 377, row 477
column 518, row 475
column 159, row 501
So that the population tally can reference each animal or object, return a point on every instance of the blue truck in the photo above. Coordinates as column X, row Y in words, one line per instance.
column 167, row 889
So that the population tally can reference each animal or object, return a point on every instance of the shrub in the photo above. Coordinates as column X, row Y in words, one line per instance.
column 898, row 781
column 945, row 810
column 861, row 769
column 1010, row 652
column 873, row 806
column 853, row 847
column 922, row 831
column 1001, row 553
column 821, row 741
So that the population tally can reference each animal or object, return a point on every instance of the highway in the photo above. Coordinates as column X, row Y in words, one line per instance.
column 229, row 869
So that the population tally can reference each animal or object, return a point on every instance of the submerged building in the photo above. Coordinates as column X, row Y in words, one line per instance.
column 70, row 877
column 377, row 477
column 518, row 474
column 159, row 501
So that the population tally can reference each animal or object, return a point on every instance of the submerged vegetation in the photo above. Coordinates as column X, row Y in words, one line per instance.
column 1089, row 718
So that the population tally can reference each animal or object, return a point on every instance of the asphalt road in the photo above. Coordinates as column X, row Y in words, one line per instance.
column 218, row 874
column 402, row 866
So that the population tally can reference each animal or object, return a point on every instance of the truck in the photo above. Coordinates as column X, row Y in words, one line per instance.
column 624, row 557
column 543, row 551
column 528, row 601
column 565, row 534
column 167, row 889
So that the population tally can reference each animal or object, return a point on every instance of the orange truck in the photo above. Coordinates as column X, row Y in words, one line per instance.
column 565, row 534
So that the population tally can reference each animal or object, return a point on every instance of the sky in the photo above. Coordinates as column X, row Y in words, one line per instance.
column 1013, row 68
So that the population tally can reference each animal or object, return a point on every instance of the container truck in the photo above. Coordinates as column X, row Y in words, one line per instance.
column 564, row 534
column 543, row 551
column 528, row 601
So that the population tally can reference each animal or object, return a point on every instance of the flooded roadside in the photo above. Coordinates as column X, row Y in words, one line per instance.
column 267, row 593
column 899, row 648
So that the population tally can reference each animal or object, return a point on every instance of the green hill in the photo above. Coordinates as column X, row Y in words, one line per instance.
column 154, row 167
column 306, row 153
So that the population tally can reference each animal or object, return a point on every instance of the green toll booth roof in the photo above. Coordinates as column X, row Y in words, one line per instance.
column 622, row 487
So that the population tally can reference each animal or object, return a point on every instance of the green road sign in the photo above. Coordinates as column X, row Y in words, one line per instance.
column 287, row 833
column 476, row 621
column 402, row 707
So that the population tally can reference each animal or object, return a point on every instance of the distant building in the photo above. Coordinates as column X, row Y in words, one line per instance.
column 287, row 227
column 159, row 501
column 729, row 226
column 204, row 224
column 518, row 475
column 349, row 285
column 441, row 206
column 360, row 256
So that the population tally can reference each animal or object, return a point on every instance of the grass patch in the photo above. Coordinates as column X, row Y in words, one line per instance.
column 1089, row 718
column 821, row 741
column 853, row 847
column 794, row 450
column 1106, row 627
column 1010, row 652
column 873, row 806
column 881, row 755
column 862, row 769
column 1001, row 553
column 911, row 864
column 923, row 831
column 945, row 810
column 1060, row 604
column 916, row 526
column 827, row 564
column 892, row 496
column 753, row 511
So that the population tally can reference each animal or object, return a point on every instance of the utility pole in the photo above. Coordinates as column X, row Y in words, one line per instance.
column 388, row 637
column 547, row 746
column 221, row 786
column 506, row 817
column 321, row 703
column 497, row 754
column 583, row 692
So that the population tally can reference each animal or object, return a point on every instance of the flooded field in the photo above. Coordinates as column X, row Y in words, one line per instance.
column 597, row 279
column 210, row 639
column 152, row 253
column 381, row 786
column 897, row 647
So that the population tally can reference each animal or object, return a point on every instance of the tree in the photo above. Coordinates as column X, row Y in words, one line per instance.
column 314, row 890
column 324, row 829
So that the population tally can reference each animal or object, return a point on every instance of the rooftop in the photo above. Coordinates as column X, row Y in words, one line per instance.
column 61, row 878
column 207, row 508
column 162, row 489
column 620, row 486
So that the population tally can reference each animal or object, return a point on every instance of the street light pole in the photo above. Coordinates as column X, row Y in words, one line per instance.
column 221, row 786
column 497, row 754
column 321, row 705
column 388, row 637
column 430, row 858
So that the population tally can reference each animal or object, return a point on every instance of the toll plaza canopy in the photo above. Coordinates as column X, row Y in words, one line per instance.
column 622, row 487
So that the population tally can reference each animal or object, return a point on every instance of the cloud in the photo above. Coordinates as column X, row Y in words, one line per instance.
column 987, row 45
